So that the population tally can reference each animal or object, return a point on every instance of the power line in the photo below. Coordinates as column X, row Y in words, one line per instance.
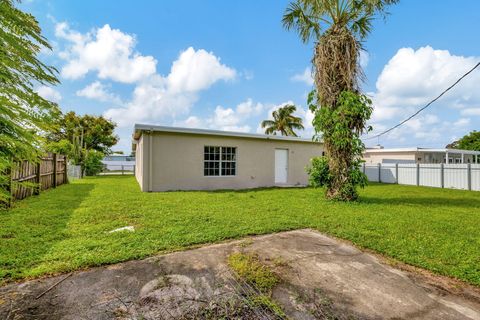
column 426, row 106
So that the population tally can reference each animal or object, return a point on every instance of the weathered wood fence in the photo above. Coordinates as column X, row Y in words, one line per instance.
column 27, row 178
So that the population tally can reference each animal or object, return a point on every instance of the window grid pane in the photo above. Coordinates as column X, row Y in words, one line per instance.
column 219, row 161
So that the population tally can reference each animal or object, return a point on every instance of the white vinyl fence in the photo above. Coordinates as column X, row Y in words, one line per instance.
column 452, row 176
column 119, row 169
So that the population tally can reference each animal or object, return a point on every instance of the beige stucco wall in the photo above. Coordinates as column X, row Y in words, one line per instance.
column 139, row 156
column 378, row 157
column 177, row 162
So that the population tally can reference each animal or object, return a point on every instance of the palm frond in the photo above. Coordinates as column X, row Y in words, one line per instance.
column 283, row 121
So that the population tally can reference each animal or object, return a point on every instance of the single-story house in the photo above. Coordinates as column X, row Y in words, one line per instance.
column 171, row 158
column 420, row 155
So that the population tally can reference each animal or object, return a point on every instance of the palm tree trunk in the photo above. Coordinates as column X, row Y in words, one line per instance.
column 336, row 70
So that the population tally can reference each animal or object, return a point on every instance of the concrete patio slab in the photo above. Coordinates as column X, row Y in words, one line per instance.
column 320, row 278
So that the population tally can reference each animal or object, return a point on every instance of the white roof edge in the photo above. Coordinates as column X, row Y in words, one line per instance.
column 375, row 150
column 148, row 127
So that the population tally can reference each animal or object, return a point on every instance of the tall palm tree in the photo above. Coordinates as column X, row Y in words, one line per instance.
column 337, row 27
column 283, row 121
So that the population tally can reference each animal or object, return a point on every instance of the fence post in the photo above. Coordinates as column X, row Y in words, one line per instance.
column 10, row 185
column 364, row 169
column 396, row 173
column 54, row 170
column 65, row 170
column 37, row 177
column 469, row 173
column 379, row 172
column 418, row 174
column 442, row 175
column 122, row 169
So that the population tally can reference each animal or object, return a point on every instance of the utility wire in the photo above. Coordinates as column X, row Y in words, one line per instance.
column 426, row 106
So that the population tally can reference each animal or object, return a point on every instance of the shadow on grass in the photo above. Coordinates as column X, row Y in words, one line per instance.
column 422, row 201
column 249, row 190
column 30, row 229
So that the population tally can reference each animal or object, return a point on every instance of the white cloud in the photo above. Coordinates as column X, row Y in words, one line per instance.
column 249, row 108
column 462, row 122
column 159, row 99
column 241, row 117
column 152, row 102
column 224, row 117
column 197, row 70
column 190, row 122
column 471, row 112
column 305, row 77
column 364, row 59
column 97, row 91
column 106, row 51
column 410, row 80
column 230, row 119
column 49, row 93
column 414, row 77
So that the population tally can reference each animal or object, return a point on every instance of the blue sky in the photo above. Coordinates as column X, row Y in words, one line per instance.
column 228, row 64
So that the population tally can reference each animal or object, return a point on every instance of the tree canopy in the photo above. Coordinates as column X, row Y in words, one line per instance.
column 283, row 121
column 85, row 139
column 24, row 115
column 96, row 132
column 470, row 141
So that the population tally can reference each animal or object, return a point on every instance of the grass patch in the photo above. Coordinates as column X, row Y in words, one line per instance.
column 67, row 228
column 258, row 276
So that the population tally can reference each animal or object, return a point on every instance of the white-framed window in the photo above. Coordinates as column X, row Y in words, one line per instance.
column 219, row 161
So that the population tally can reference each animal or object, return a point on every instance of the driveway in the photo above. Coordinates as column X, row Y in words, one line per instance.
column 320, row 277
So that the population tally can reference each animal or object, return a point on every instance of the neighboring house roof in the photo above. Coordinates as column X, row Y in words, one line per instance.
column 409, row 150
column 139, row 128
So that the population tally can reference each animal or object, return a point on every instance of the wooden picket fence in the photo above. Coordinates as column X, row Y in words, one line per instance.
column 27, row 178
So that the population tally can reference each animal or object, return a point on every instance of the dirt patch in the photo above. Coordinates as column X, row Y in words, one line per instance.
column 318, row 278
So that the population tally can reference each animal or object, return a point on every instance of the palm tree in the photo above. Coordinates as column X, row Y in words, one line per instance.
column 337, row 27
column 283, row 121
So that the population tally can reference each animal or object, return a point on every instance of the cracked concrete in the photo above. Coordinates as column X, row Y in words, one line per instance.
column 321, row 277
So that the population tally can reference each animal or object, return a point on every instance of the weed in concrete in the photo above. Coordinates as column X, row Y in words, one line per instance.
column 245, row 243
column 256, row 274
column 256, row 281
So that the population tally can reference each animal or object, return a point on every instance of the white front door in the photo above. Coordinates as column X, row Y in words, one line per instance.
column 281, row 165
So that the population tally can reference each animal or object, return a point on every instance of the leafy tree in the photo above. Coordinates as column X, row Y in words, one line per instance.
column 96, row 132
column 470, row 141
column 283, row 121
column 337, row 27
column 84, row 139
column 64, row 147
column 342, row 127
column 24, row 115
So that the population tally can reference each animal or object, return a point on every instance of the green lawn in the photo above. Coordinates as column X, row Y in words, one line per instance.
column 66, row 228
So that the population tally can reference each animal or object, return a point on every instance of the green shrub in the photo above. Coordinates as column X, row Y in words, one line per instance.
column 320, row 175
column 93, row 162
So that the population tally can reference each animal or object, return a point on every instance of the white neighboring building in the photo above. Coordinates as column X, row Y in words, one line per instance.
column 420, row 155
column 118, row 162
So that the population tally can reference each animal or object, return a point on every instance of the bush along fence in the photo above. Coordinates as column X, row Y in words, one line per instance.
column 452, row 176
column 27, row 178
